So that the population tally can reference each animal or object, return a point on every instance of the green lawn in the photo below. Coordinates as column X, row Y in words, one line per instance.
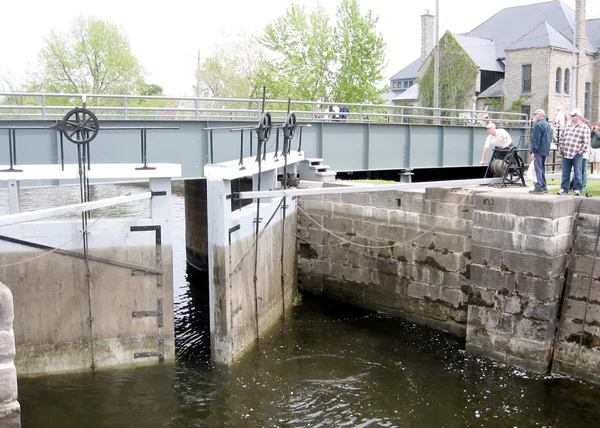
column 592, row 185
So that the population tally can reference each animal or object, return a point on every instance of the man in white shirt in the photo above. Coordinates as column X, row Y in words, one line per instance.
column 497, row 138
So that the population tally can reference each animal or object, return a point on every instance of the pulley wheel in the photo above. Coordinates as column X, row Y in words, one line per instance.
column 264, row 127
column 289, row 129
column 80, row 126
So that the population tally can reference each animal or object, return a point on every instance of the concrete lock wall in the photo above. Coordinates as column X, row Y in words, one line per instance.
column 10, row 413
column 486, row 265
column 53, row 304
column 249, row 290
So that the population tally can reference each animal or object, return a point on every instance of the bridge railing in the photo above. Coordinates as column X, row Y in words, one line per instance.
column 50, row 106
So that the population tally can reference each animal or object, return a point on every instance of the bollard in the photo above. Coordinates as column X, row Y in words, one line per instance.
column 10, row 411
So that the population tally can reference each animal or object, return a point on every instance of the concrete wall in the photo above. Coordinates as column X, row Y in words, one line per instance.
column 53, row 304
column 249, row 291
column 489, row 266
column 10, row 412
column 391, row 264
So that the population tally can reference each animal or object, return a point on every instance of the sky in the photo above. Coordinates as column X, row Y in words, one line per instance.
column 166, row 38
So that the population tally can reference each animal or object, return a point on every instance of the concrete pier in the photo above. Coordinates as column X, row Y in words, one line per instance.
column 10, row 413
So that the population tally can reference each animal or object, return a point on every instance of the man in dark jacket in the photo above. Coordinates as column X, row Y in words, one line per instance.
column 540, row 148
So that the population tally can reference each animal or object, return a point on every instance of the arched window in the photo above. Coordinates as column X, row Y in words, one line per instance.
column 567, row 80
column 558, row 80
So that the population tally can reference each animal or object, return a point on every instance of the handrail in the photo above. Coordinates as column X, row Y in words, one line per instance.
column 197, row 109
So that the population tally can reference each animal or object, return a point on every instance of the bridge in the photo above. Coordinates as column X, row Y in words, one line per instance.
column 185, row 131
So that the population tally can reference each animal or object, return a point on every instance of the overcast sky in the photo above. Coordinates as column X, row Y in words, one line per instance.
column 166, row 37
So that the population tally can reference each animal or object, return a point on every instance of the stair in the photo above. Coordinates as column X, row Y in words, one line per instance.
column 312, row 169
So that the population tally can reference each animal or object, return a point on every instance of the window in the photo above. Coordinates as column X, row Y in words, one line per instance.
column 558, row 80
column 526, row 109
column 526, row 78
column 410, row 83
column 395, row 85
column 567, row 81
column 587, row 100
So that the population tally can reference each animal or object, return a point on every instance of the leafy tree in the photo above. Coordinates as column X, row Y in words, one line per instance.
column 94, row 57
column 361, row 55
column 457, row 76
column 233, row 70
column 303, row 54
column 315, row 60
column 151, row 89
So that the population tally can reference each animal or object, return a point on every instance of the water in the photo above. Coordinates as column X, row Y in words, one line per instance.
column 327, row 365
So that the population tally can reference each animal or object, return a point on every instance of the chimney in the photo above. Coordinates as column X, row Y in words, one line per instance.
column 427, row 23
column 581, row 46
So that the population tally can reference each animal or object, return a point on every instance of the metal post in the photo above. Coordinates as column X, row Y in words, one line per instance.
column 14, row 199
column 43, row 106
column 196, row 112
column 436, row 70
column 125, row 107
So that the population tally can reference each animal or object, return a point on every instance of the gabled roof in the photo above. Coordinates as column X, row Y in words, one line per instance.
column 592, row 30
column 513, row 23
column 410, row 94
column 544, row 35
column 481, row 51
column 494, row 91
column 411, row 71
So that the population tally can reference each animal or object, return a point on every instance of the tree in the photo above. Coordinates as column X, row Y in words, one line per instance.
column 315, row 60
column 233, row 70
column 361, row 53
column 93, row 58
column 457, row 77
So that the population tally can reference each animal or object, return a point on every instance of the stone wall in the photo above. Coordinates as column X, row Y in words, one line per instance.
column 386, row 258
column 487, row 264
column 582, row 302
column 10, row 413
column 519, row 252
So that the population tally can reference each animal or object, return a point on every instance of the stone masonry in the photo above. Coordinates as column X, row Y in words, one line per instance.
column 578, row 341
column 486, row 264
column 519, row 251
column 384, row 258
column 10, row 411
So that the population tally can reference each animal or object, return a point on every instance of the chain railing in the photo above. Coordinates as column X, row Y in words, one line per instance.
column 51, row 106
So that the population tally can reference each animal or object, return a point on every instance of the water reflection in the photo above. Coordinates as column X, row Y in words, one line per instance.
column 326, row 364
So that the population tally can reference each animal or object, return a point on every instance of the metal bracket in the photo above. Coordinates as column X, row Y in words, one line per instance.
column 233, row 229
column 160, row 353
column 158, row 193
column 158, row 313
column 158, row 241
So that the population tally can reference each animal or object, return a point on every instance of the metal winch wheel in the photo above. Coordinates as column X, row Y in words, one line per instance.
column 507, row 168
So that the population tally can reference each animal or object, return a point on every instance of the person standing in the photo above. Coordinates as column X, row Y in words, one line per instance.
column 574, row 141
column 595, row 145
column 497, row 138
column 540, row 148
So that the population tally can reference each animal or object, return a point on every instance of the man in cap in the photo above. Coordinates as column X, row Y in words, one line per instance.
column 497, row 138
column 540, row 148
column 573, row 143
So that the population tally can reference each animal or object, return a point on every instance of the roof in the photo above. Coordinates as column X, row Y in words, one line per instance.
column 513, row 23
column 592, row 30
column 494, row 91
column 544, row 35
column 411, row 71
column 410, row 94
column 481, row 51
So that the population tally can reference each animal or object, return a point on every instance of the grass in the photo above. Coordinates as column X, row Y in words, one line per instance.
column 592, row 185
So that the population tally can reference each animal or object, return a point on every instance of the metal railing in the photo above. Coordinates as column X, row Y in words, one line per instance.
column 52, row 106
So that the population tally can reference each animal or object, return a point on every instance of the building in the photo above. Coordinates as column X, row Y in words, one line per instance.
column 525, row 58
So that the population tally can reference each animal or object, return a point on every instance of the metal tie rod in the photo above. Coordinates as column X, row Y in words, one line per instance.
column 367, row 188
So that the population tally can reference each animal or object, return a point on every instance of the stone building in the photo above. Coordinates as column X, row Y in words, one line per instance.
column 534, row 56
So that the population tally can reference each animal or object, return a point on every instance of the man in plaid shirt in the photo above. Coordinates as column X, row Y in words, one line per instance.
column 573, row 143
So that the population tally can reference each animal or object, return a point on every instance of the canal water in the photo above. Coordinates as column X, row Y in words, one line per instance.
column 326, row 364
